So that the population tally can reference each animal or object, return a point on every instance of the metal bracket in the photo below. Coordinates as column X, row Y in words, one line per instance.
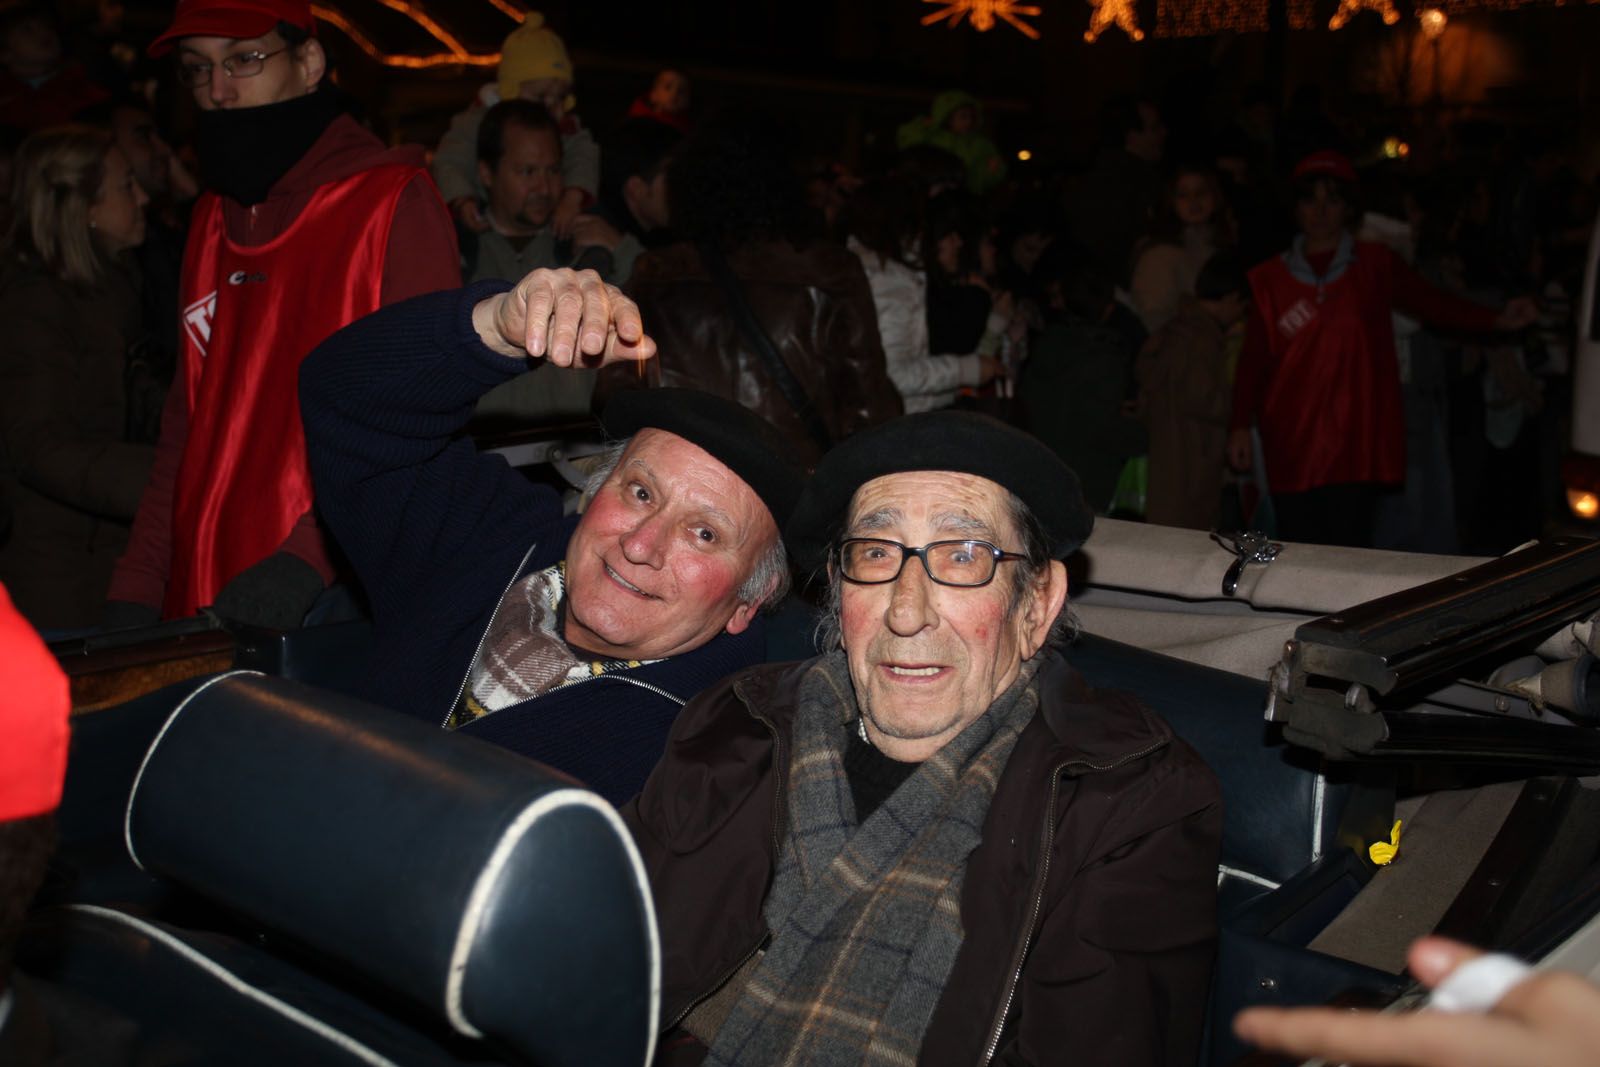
column 1249, row 547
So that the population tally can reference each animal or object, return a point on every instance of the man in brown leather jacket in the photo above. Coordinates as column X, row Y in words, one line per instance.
column 935, row 843
column 750, row 306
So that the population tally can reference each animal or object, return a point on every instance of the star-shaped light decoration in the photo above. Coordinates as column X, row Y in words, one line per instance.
column 1349, row 9
column 982, row 14
column 1118, row 13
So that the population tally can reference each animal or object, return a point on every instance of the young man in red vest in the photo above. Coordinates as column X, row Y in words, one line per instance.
column 307, row 223
column 1318, row 375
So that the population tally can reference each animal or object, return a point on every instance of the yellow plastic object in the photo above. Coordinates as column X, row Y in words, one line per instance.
column 1383, row 852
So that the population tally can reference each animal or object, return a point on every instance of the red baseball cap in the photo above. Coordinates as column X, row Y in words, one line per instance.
column 1326, row 164
column 34, row 704
column 239, row 19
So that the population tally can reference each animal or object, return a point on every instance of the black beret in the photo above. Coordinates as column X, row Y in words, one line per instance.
column 743, row 441
column 940, row 441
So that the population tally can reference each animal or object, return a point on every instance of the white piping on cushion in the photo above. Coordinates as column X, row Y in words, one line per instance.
column 489, row 877
column 1319, row 801
column 127, row 812
column 239, row 985
column 1224, row 871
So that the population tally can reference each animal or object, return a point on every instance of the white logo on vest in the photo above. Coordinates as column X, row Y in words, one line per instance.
column 197, row 320
column 1297, row 318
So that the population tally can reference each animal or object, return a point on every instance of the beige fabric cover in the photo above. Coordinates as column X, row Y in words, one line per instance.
column 1160, row 588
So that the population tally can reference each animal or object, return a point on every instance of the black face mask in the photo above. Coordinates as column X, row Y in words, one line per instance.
column 244, row 151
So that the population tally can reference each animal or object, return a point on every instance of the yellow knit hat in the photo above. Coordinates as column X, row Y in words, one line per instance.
column 531, row 52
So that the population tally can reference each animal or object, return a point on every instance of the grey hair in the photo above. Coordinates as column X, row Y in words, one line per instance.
column 1026, row 574
column 768, row 581
column 603, row 468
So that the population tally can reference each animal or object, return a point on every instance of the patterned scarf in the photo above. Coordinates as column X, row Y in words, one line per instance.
column 867, row 919
column 524, row 655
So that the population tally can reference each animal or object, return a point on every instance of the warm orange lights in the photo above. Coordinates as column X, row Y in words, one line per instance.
column 982, row 13
column 1584, row 504
column 1348, row 9
column 1024, row 155
column 1433, row 22
column 455, row 55
column 1109, row 13
column 1202, row 18
column 510, row 11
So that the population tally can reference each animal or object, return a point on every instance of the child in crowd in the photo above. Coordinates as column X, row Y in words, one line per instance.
column 668, row 100
column 533, row 66
column 955, row 124
column 1185, row 396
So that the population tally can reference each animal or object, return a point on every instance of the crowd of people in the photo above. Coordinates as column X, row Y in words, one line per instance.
column 1258, row 332
column 244, row 371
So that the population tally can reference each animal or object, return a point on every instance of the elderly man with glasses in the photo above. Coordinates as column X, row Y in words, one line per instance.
column 935, row 843
column 308, row 221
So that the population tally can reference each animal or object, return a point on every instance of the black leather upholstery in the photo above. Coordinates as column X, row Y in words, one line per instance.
column 1282, row 808
column 1292, row 832
column 91, row 862
column 476, row 882
column 194, row 998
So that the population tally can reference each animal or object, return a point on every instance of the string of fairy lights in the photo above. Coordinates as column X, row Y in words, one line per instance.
column 1174, row 18
column 1201, row 18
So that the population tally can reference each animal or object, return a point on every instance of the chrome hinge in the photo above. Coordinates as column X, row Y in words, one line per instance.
column 1249, row 547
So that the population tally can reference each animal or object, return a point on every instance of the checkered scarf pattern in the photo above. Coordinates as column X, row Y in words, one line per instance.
column 867, row 919
column 524, row 655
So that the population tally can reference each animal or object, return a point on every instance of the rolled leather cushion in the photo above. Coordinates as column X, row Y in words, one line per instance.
column 485, row 886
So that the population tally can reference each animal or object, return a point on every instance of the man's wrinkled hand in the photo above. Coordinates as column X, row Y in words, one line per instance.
column 570, row 318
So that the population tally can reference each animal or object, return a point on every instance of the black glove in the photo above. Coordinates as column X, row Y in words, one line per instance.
column 126, row 615
column 275, row 593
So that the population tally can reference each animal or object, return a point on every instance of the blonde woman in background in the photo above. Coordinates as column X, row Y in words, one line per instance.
column 70, row 478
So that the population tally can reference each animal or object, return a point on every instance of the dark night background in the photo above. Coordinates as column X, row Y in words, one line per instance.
column 847, row 71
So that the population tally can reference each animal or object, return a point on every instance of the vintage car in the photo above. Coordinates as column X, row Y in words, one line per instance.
column 257, row 868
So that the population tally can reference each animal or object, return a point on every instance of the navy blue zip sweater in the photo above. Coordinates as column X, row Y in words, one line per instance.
column 437, row 532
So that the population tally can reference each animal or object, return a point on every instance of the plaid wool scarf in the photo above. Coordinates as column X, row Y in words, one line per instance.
column 866, row 919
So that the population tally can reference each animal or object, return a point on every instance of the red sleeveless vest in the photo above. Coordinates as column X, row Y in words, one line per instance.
column 250, row 315
column 1333, row 411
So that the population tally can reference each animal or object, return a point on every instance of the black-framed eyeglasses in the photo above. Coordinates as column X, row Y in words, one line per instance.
column 965, row 564
column 195, row 74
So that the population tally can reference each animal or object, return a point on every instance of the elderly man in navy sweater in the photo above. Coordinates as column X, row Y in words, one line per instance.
column 574, row 640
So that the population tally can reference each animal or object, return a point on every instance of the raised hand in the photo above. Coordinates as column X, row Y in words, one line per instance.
column 570, row 318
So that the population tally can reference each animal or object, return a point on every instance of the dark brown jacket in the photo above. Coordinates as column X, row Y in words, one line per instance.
column 814, row 303
column 1088, row 908
column 1185, row 396
column 68, row 474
